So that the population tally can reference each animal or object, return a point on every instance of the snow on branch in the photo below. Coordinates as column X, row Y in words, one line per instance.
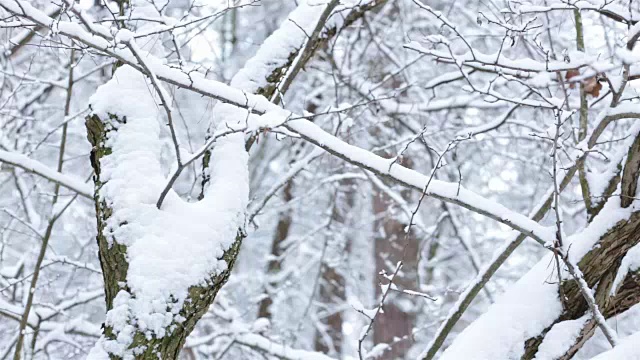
column 628, row 349
column 280, row 351
column 532, row 304
column 157, row 288
column 228, row 94
column 446, row 191
column 38, row 168
column 131, row 178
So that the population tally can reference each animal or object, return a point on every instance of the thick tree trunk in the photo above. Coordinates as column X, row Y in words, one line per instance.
column 599, row 267
column 113, row 260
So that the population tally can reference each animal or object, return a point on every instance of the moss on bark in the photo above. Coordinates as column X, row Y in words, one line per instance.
column 113, row 260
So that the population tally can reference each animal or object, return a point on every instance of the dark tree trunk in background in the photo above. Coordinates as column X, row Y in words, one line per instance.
column 275, row 262
column 331, row 292
column 390, row 241
column 332, row 283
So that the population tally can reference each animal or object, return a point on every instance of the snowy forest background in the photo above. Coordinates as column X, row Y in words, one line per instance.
column 387, row 179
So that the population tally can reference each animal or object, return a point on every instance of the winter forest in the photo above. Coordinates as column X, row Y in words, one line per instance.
column 319, row 179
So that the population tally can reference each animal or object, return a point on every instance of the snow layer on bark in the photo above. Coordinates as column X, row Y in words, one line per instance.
column 277, row 48
column 525, row 310
column 628, row 349
column 168, row 249
column 291, row 35
column 161, row 242
column 599, row 180
column 581, row 243
column 560, row 338
column 630, row 263
column 532, row 303
column 98, row 352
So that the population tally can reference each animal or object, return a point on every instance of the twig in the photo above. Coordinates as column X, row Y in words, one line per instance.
column 164, row 102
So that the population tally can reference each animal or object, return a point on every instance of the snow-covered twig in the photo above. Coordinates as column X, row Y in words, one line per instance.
column 449, row 192
column 587, row 293
column 257, row 206
column 309, row 131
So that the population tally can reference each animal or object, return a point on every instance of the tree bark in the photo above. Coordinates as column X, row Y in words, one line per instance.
column 599, row 267
column 113, row 260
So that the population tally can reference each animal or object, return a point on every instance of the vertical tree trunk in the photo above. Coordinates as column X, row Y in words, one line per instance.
column 275, row 262
column 398, row 317
column 332, row 292
column 114, row 263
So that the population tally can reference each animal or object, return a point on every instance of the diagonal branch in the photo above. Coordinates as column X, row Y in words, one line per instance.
column 445, row 191
column 442, row 190
column 38, row 168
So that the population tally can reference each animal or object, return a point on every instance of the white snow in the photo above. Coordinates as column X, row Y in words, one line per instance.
column 124, row 36
column 541, row 80
column 98, row 352
column 268, row 120
column 160, row 242
column 577, row 245
column 628, row 349
column 260, row 325
column 447, row 191
column 598, row 181
column 377, row 351
column 357, row 306
column 525, row 310
column 275, row 50
column 627, row 57
column 560, row 338
column 34, row 166
column 630, row 263
column 532, row 303
column 633, row 31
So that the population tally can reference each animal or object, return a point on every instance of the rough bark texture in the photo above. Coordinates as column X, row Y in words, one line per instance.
column 599, row 267
column 113, row 260
column 629, row 182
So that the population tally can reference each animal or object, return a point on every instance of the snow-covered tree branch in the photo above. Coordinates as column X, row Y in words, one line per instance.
column 319, row 179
